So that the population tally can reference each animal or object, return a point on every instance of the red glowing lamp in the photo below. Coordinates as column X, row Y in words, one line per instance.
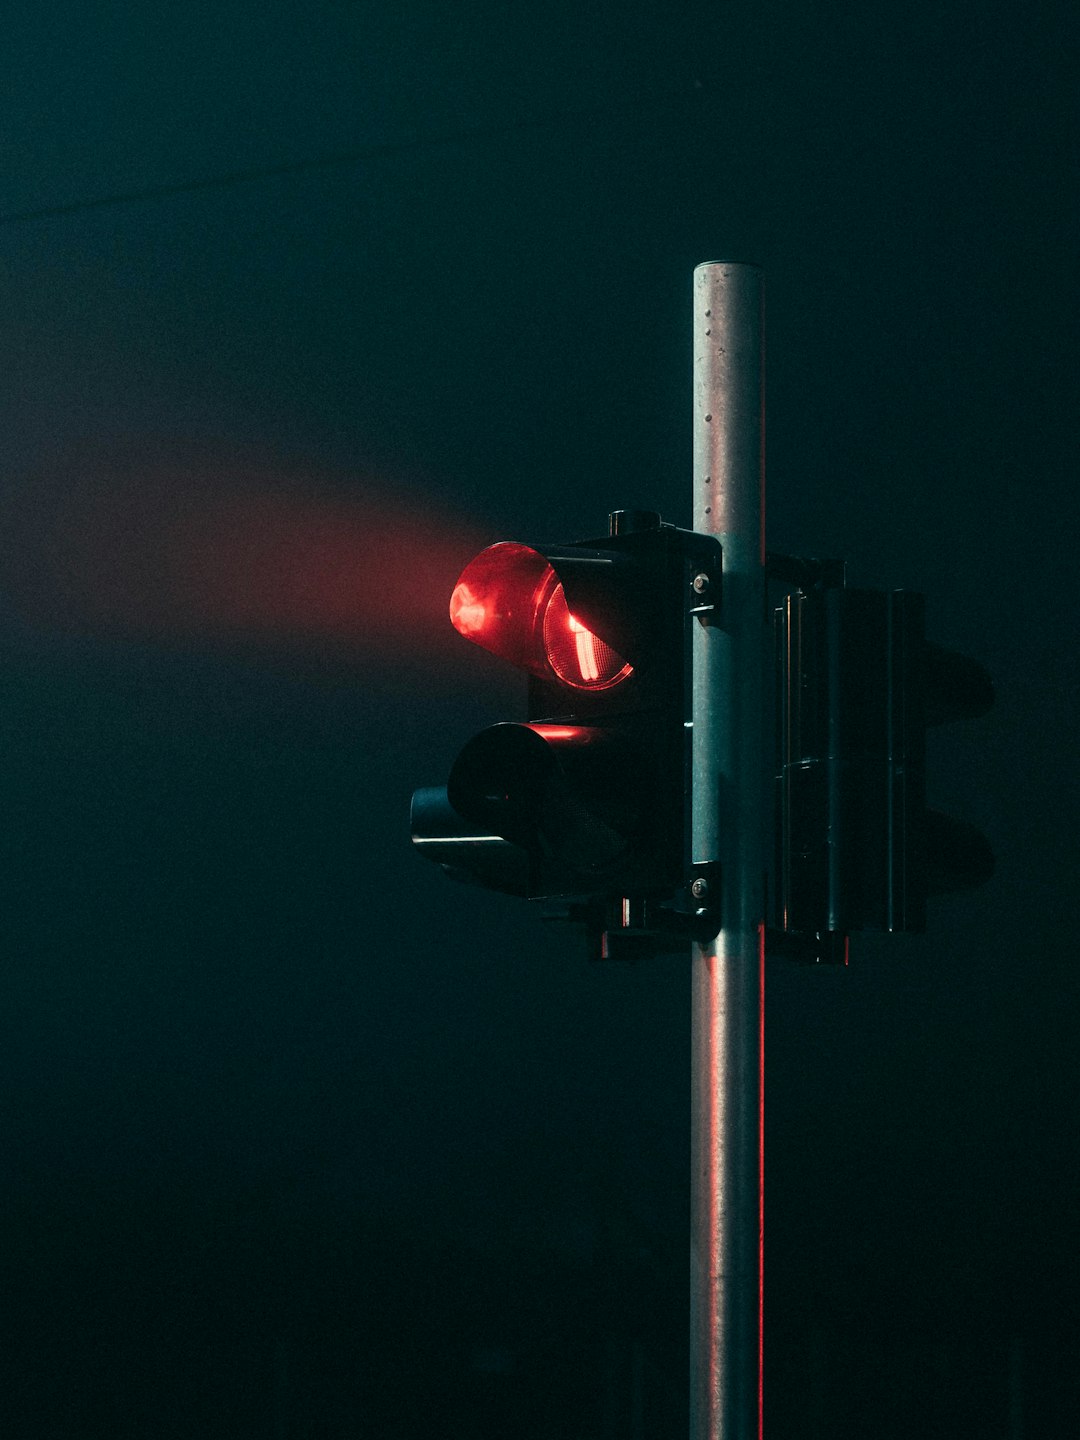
column 511, row 600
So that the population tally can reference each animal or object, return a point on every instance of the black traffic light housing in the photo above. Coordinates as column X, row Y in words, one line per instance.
column 857, row 686
column 584, row 805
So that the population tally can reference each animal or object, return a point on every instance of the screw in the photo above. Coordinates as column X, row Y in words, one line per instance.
column 700, row 584
column 700, row 888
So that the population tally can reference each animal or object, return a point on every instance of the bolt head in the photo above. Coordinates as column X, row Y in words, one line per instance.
column 700, row 584
column 700, row 888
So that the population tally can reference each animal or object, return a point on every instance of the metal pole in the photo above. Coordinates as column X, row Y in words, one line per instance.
column 729, row 794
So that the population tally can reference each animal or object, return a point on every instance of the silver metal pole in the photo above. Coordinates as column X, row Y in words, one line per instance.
column 729, row 793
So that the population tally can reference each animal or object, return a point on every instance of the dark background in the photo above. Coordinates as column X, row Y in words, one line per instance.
column 299, row 1140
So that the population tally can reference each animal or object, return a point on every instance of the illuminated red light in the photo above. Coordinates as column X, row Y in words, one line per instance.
column 468, row 613
column 578, row 657
column 585, row 642
column 510, row 600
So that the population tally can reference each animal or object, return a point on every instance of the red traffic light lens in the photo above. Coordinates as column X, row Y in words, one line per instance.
column 578, row 657
column 510, row 600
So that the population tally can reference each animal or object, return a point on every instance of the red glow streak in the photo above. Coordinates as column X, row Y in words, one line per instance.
column 713, row 1201
column 761, row 1184
column 712, row 1266
column 149, row 544
column 585, row 645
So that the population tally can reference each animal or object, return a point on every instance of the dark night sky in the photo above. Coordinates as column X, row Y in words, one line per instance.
column 297, row 1139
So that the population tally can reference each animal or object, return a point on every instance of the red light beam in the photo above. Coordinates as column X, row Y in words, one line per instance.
column 168, row 550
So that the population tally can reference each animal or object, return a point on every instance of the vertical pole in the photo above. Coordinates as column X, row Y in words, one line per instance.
column 729, row 794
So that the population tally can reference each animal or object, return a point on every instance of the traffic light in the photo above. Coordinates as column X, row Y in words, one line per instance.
column 857, row 686
column 583, row 805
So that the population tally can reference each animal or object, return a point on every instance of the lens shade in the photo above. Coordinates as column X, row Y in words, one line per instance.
column 579, row 658
column 509, row 600
column 560, row 791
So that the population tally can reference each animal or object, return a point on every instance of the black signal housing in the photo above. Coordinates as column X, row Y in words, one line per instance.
column 590, row 791
column 857, row 686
